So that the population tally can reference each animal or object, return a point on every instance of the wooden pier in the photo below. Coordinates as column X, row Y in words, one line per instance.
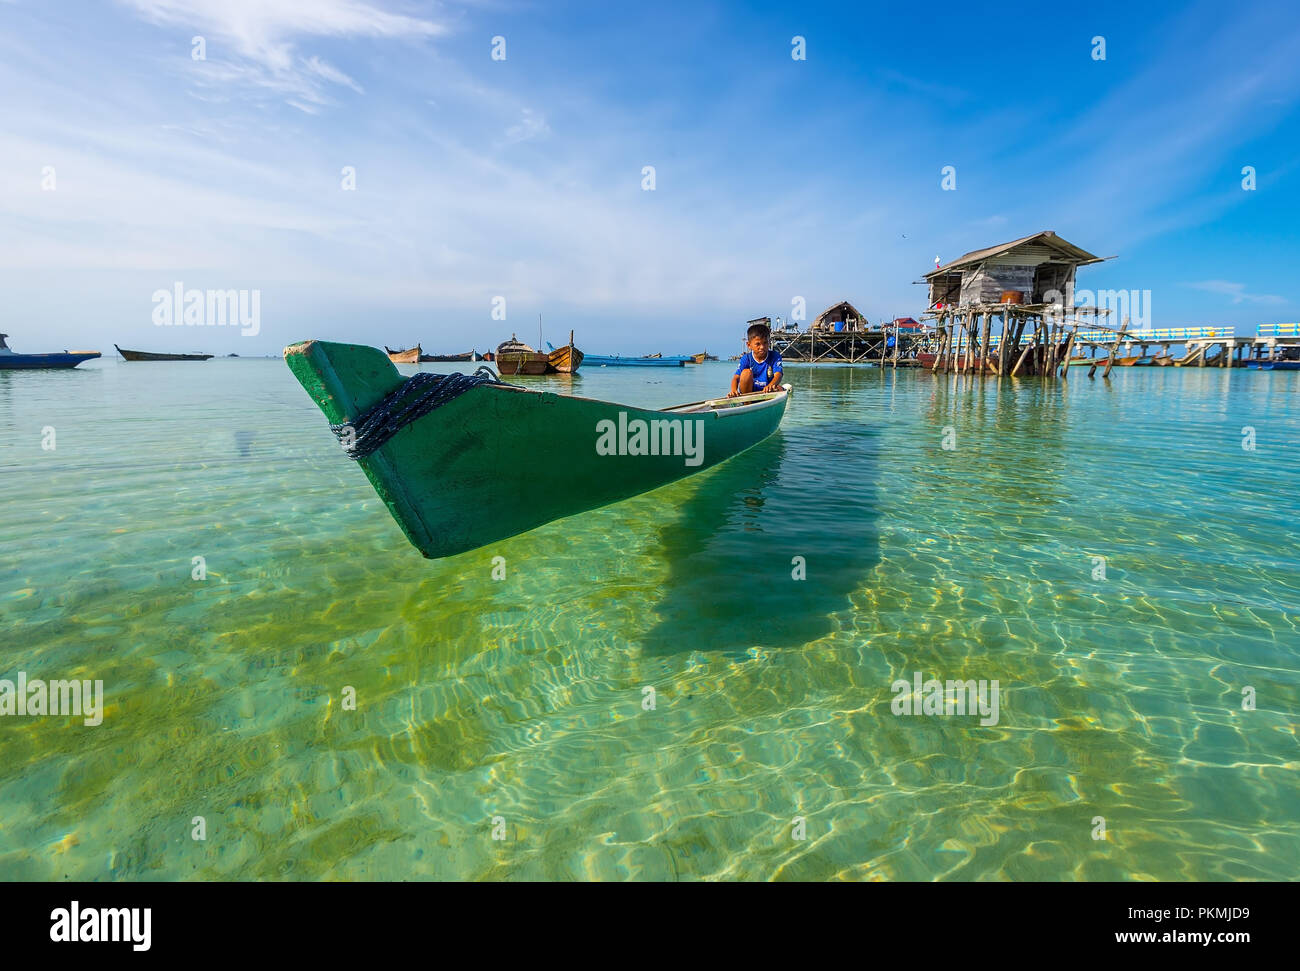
column 840, row 334
column 1204, row 346
column 851, row 347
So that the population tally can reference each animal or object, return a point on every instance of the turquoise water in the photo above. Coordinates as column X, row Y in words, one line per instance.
column 522, row 698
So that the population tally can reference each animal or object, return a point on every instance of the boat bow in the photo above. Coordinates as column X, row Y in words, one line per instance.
column 497, row 460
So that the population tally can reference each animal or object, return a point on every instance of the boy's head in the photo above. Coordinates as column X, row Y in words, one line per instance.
column 757, row 338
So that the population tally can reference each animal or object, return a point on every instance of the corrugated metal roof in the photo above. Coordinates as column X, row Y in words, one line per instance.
column 1055, row 246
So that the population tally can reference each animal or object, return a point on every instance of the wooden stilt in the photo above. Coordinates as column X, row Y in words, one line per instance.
column 970, row 341
column 1002, row 344
column 1069, row 353
column 1110, row 361
column 1023, row 354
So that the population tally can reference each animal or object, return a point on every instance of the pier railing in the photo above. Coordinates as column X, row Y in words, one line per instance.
column 1279, row 330
column 1160, row 334
column 1138, row 336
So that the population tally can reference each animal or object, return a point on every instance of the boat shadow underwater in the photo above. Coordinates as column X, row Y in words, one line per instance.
column 732, row 553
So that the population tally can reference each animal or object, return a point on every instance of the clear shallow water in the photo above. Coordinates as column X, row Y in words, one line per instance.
column 522, row 697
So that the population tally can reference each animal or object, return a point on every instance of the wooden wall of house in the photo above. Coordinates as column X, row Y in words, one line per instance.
column 1052, row 276
column 1026, row 269
column 985, row 284
column 945, row 289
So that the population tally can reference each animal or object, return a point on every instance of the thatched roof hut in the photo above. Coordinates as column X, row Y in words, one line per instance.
column 843, row 313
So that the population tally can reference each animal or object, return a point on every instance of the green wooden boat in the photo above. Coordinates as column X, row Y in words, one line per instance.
column 496, row 460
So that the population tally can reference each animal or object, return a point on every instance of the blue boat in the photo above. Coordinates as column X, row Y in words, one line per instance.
column 614, row 360
column 11, row 361
column 1273, row 365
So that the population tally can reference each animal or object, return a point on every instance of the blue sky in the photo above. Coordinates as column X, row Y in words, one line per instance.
column 522, row 177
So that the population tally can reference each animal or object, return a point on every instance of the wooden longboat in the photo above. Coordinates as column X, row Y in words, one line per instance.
column 696, row 358
column 409, row 356
column 151, row 356
column 448, row 358
column 564, row 360
column 453, row 478
column 515, row 357
column 615, row 360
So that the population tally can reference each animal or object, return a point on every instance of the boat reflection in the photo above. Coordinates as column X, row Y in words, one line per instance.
column 783, row 509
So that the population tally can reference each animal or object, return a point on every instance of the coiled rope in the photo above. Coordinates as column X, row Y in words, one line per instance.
column 414, row 398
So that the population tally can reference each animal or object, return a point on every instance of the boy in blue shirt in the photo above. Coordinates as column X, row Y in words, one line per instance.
column 759, row 368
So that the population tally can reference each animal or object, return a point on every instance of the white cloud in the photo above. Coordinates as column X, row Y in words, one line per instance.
column 252, row 42
column 1237, row 291
column 330, row 73
column 530, row 125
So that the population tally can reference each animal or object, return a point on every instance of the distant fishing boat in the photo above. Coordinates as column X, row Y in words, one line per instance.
column 409, row 356
column 463, row 461
column 151, row 356
column 1273, row 365
column 564, row 360
column 696, row 358
column 12, row 361
column 614, row 360
column 467, row 356
column 516, row 357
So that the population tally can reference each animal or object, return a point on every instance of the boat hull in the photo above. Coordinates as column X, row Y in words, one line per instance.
column 1273, row 365
column 446, row 358
column 150, row 356
column 28, row 362
column 520, row 362
column 454, row 479
column 409, row 356
column 565, row 360
column 605, row 360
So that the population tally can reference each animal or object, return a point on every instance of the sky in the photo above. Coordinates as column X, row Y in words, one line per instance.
column 517, row 183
